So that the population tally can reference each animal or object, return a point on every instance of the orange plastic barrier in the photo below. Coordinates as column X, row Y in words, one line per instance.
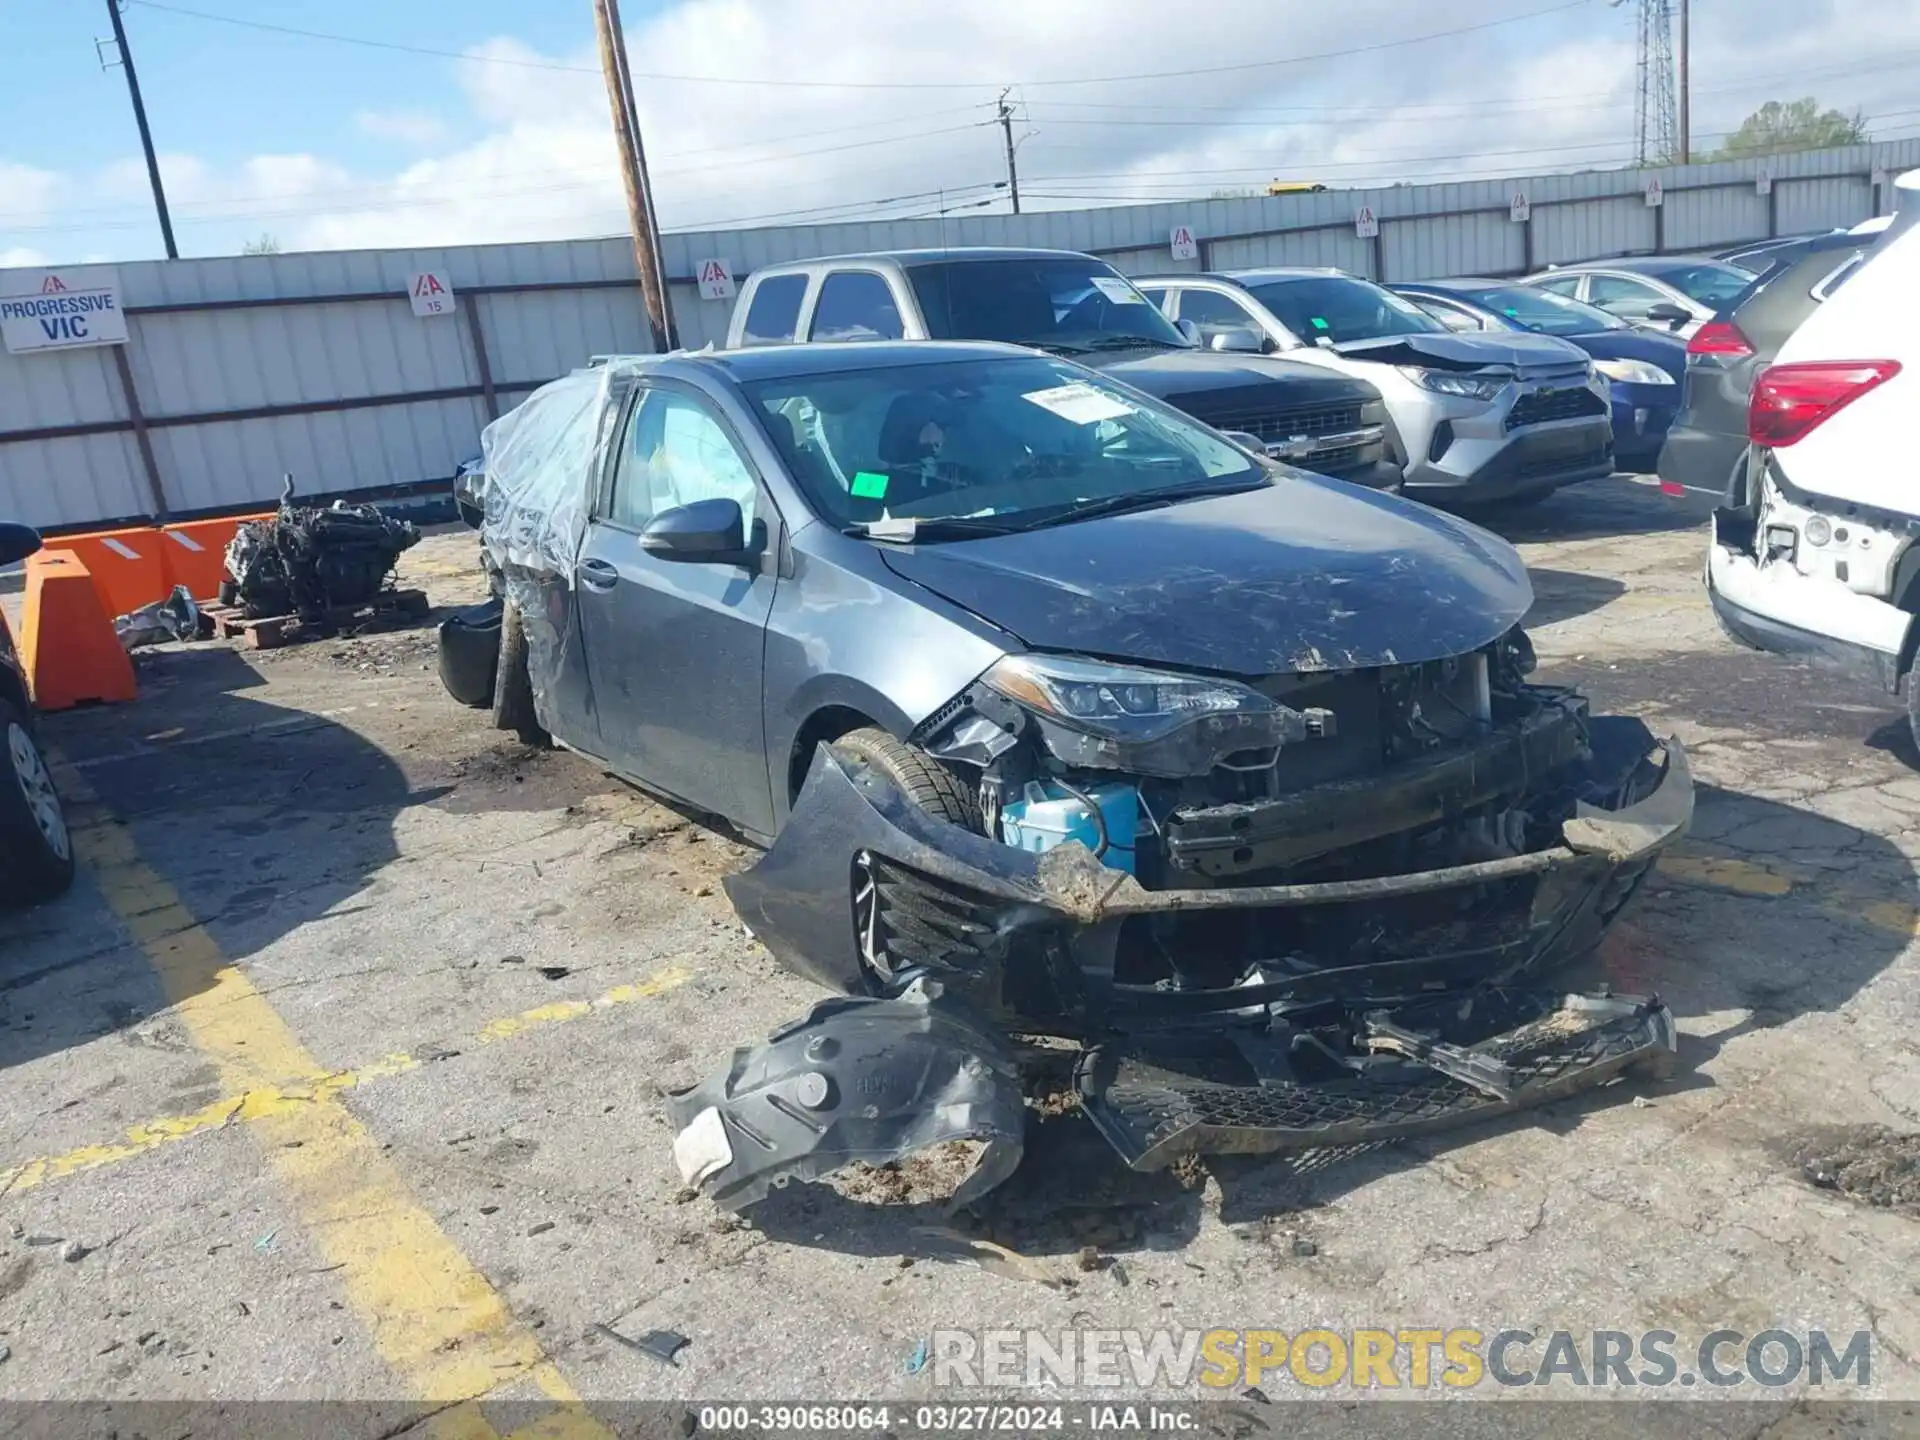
column 128, row 566
column 67, row 644
column 196, row 552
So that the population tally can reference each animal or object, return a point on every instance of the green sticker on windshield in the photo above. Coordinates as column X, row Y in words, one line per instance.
column 1318, row 323
column 869, row 486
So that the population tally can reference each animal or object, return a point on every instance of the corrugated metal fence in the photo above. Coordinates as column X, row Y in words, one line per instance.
column 241, row 369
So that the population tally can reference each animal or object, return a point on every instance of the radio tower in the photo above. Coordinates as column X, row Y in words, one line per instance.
column 1656, row 123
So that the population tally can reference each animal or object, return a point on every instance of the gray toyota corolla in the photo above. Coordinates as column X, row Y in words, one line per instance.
column 1061, row 715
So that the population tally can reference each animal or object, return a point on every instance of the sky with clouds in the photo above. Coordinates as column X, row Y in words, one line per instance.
column 790, row 111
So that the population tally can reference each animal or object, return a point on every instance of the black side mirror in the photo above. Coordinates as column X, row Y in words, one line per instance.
column 17, row 542
column 1670, row 315
column 707, row 531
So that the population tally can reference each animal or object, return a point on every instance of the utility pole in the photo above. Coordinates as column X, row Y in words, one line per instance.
column 1013, row 174
column 1686, row 105
column 146, row 135
column 633, row 173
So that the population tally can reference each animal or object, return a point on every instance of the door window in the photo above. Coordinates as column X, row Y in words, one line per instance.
column 1215, row 313
column 1156, row 296
column 675, row 452
column 856, row 305
column 774, row 315
column 1568, row 285
column 1451, row 316
column 1618, row 295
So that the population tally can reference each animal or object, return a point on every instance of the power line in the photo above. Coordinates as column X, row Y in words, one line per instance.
column 787, row 83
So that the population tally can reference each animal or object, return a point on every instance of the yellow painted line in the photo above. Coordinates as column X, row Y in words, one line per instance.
column 434, row 1318
column 297, row 1091
column 1747, row 877
column 1723, row 873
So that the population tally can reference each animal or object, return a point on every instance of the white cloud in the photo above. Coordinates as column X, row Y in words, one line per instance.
column 22, row 257
column 414, row 129
column 1549, row 93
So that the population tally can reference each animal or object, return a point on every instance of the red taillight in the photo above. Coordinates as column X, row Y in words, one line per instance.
column 1719, row 337
column 1790, row 400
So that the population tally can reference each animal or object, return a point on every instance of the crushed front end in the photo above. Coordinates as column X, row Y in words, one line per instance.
column 1309, row 910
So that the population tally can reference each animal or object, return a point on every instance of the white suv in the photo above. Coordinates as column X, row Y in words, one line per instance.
column 1815, row 552
column 1479, row 418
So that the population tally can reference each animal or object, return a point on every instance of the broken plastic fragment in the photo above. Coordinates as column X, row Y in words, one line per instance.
column 863, row 1079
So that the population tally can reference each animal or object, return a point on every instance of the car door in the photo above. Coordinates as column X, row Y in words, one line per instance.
column 1216, row 314
column 1625, row 296
column 675, row 648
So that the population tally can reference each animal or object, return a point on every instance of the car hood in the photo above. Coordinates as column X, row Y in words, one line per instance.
column 1669, row 353
column 1180, row 376
column 1465, row 352
column 1309, row 574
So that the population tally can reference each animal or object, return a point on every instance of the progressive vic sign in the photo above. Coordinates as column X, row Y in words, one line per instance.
column 61, row 310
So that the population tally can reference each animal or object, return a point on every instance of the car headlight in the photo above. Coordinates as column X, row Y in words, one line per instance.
column 1449, row 382
column 1119, row 700
column 1633, row 372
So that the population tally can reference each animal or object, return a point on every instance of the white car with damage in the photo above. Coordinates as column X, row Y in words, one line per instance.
column 1815, row 552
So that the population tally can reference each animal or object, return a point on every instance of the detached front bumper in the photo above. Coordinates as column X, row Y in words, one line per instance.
column 1374, row 1008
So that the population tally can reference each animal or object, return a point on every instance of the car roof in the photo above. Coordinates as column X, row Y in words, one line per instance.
column 779, row 362
column 925, row 257
column 1461, row 284
column 1246, row 277
column 1655, row 265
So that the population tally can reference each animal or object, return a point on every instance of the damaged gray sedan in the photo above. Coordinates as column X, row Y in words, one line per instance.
column 1070, row 725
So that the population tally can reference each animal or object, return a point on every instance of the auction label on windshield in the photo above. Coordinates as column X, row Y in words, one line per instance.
column 1082, row 404
column 1118, row 291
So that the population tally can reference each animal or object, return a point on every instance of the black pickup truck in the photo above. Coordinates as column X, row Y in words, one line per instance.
column 1080, row 307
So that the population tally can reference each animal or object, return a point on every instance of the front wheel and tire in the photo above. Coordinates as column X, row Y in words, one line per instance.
column 513, row 682
column 36, row 851
column 924, row 780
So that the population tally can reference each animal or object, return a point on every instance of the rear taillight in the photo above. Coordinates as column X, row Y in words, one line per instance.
column 1789, row 401
column 1719, row 337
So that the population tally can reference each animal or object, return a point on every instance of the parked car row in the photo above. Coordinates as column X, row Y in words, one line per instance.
column 1814, row 551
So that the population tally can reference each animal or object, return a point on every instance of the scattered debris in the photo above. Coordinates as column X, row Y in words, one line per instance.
column 489, row 1209
column 917, row 1361
column 540, row 1227
column 1255, row 1394
column 268, row 1242
column 174, row 618
column 554, row 972
column 1303, row 1246
column 661, row 1345
column 6, row 1354
column 1089, row 1258
column 73, row 1252
column 1868, row 1163
column 1119, row 1274
column 46, row 1239
column 994, row 1259
column 513, row 959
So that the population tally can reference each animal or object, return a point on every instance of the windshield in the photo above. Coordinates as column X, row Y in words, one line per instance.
column 1712, row 284
column 1066, row 304
column 1544, row 312
column 999, row 443
column 1331, row 309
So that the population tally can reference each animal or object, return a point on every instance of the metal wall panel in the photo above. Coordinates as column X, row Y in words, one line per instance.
column 1340, row 248
column 312, row 355
column 1590, row 229
column 1714, row 219
column 1816, row 204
